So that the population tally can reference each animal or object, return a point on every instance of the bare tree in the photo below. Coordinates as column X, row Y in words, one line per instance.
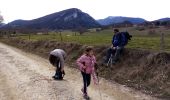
column 61, row 37
column 1, row 19
column 162, row 41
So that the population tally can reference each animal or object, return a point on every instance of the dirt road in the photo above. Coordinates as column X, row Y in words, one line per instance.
column 25, row 76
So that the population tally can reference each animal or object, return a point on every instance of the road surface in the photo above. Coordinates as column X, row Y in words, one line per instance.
column 24, row 76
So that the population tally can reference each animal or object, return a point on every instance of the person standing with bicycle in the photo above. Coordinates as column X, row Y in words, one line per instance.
column 116, row 48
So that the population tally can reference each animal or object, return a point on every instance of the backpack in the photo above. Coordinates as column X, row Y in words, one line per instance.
column 125, row 37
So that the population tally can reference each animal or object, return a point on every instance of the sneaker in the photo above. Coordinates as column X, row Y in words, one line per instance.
column 54, row 77
column 57, row 78
column 86, row 97
column 113, row 62
column 82, row 90
column 104, row 64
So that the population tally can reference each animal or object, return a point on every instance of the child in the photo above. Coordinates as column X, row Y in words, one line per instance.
column 86, row 65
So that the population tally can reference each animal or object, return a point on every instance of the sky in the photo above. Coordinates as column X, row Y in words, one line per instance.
column 98, row 9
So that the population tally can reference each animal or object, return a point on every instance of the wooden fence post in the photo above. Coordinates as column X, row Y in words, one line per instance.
column 162, row 42
column 61, row 37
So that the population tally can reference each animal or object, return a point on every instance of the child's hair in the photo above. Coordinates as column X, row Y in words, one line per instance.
column 88, row 48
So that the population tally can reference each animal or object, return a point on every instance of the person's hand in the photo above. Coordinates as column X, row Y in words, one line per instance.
column 62, row 69
column 111, row 46
column 84, row 67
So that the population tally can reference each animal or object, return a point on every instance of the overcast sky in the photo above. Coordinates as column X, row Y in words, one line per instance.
column 98, row 9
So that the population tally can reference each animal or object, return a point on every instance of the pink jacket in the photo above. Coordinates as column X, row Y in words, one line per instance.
column 89, row 62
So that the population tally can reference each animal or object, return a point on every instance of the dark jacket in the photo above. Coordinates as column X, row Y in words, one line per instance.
column 116, row 40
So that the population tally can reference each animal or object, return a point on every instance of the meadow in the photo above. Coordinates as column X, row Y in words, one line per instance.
column 141, row 39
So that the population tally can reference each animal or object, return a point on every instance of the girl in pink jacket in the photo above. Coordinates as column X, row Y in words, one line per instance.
column 86, row 65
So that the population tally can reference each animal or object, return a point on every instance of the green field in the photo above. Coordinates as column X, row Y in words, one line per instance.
column 140, row 39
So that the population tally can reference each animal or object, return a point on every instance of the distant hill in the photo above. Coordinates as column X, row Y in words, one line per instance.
column 19, row 22
column 119, row 19
column 163, row 19
column 67, row 19
column 2, row 24
column 159, row 22
column 74, row 19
